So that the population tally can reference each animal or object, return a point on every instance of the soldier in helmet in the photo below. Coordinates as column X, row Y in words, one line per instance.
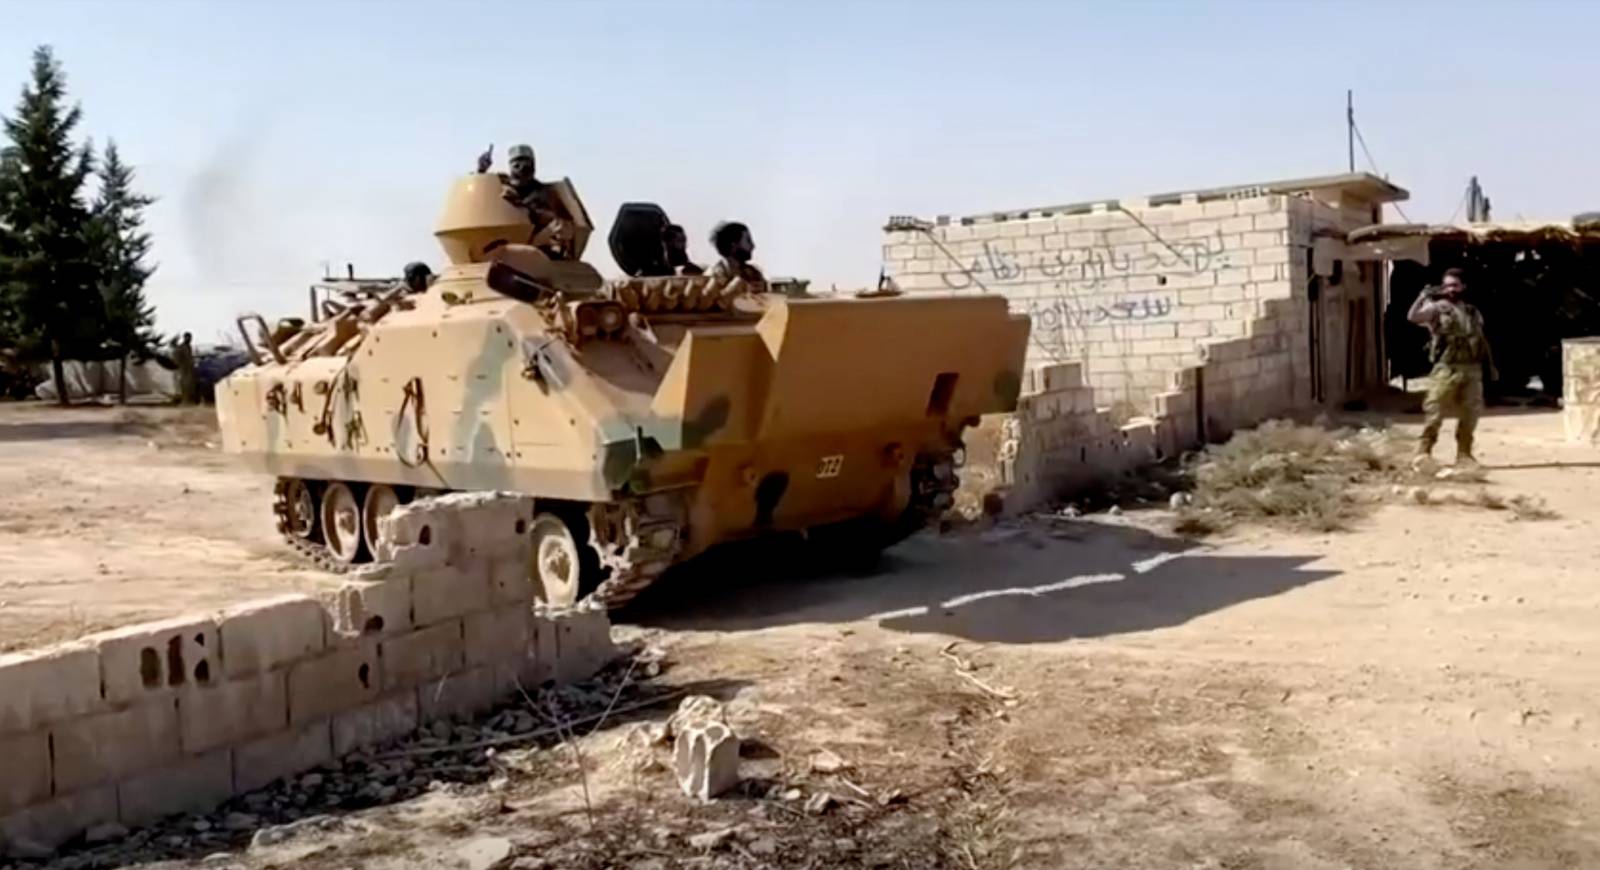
column 418, row 277
column 524, row 190
column 735, row 246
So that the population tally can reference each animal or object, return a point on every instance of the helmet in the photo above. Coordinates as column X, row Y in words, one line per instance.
column 520, row 151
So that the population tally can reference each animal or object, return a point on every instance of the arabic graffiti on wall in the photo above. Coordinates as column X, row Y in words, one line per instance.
column 1087, row 268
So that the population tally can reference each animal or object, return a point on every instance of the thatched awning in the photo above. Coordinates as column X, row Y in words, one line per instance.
column 1411, row 241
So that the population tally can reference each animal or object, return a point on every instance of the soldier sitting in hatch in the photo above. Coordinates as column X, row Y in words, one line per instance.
column 522, row 189
column 677, row 244
column 733, row 243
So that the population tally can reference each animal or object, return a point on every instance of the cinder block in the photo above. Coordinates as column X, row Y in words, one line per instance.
column 1228, row 293
column 387, row 719
column 1062, row 376
column 48, row 825
column 113, row 746
column 42, row 686
column 499, row 635
column 541, row 665
column 150, row 658
column 336, row 681
column 498, row 525
column 508, row 580
column 463, row 694
column 270, row 634
column 448, row 592
column 583, row 643
column 414, row 658
column 1268, row 239
column 1257, row 205
column 27, row 776
column 372, row 607
column 1272, row 254
column 265, row 761
column 1219, row 208
column 1280, row 221
column 193, row 785
column 1238, row 225
column 234, row 711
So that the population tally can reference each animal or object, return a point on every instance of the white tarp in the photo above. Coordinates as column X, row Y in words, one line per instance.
column 89, row 379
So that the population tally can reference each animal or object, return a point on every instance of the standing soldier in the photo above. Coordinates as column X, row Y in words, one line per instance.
column 188, row 385
column 1460, row 354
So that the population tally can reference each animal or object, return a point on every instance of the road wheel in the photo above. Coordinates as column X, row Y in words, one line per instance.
column 341, row 522
column 300, row 510
column 381, row 499
column 557, row 572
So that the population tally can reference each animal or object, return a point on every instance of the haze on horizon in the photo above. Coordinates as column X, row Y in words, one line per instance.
column 285, row 138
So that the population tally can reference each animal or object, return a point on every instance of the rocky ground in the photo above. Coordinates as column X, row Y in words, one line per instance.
column 1090, row 691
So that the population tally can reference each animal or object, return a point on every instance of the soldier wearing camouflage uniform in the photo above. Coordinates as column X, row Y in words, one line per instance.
column 1460, row 354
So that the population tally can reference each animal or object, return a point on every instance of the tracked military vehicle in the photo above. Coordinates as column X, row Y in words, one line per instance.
column 650, row 418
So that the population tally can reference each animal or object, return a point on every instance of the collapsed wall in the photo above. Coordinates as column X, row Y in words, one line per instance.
column 1161, row 322
column 176, row 716
column 1061, row 439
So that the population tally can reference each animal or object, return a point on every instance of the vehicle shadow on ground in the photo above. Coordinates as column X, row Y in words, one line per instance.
column 15, row 432
column 1083, row 580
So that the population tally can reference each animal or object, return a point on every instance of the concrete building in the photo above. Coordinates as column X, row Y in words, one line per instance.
column 1185, row 314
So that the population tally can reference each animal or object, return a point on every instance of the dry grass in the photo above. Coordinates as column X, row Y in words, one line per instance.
column 1305, row 477
column 1319, row 478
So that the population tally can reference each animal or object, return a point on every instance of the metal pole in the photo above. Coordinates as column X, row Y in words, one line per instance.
column 1350, row 125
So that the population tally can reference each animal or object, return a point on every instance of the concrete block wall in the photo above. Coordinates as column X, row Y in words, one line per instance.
column 1130, row 291
column 178, row 715
column 1063, row 438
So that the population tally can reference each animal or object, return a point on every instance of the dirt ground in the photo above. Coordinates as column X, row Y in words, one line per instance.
column 1415, row 693
column 111, row 516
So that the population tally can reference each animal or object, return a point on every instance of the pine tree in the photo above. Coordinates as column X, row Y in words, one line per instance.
column 120, row 246
column 46, row 257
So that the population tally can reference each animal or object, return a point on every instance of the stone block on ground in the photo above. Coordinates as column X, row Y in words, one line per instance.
column 378, row 722
column 111, row 746
column 259, row 764
column 27, row 775
column 46, row 826
column 152, row 658
column 336, row 681
column 270, row 634
column 417, row 657
column 706, row 759
column 234, row 711
column 47, row 685
column 195, row 784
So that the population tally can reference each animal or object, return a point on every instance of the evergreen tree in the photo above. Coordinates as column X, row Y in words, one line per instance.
column 120, row 246
column 47, row 268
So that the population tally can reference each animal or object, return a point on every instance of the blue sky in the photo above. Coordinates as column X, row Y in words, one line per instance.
column 283, row 135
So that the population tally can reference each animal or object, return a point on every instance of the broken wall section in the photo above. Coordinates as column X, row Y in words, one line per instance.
column 1063, row 439
column 176, row 716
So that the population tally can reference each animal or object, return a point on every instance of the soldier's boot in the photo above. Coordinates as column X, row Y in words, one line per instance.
column 1466, row 428
column 1422, row 461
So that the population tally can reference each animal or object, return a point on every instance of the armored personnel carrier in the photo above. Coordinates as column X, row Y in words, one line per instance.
column 650, row 418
